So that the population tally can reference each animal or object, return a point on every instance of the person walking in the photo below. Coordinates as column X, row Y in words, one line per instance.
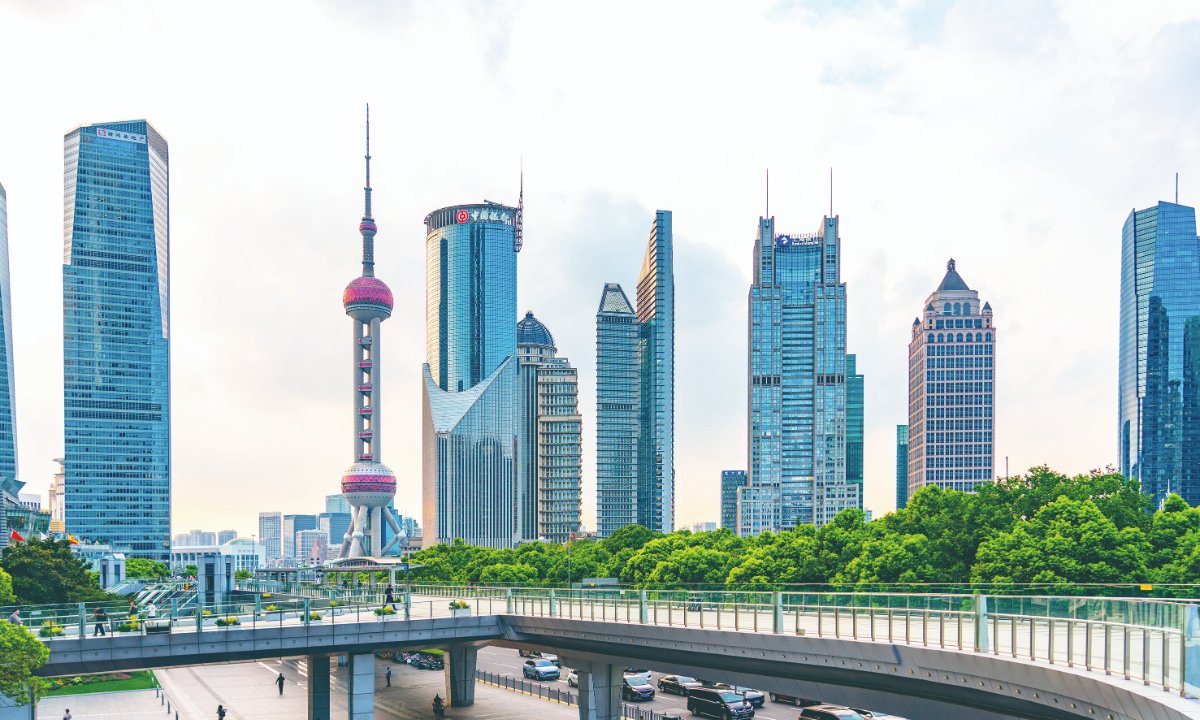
column 279, row 682
column 388, row 675
column 67, row 715
column 220, row 712
column 388, row 598
column 101, row 618
column 15, row 618
column 151, row 610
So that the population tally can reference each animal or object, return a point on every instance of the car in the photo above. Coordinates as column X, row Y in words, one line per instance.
column 637, row 676
column 528, row 653
column 678, row 684
column 873, row 715
column 793, row 700
column 633, row 688
column 573, row 678
column 719, row 704
column 755, row 697
column 552, row 658
column 540, row 669
column 829, row 712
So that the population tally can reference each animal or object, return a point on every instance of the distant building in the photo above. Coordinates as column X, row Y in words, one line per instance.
column 855, row 399
column 29, row 501
column 247, row 554
column 1158, row 435
column 57, row 487
column 337, row 504
column 312, row 547
column 116, row 338
column 703, row 527
column 901, row 466
column 470, row 417
column 335, row 525
column 224, row 536
column 731, row 480
column 635, row 394
column 270, row 534
column 293, row 524
column 8, row 400
column 799, row 381
column 950, row 389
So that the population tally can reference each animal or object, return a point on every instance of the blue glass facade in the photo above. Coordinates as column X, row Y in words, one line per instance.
column 1158, row 434
column 116, row 338
column 855, row 389
column 635, row 394
column 470, row 455
column 797, row 394
column 8, row 401
column 617, row 416
column 731, row 480
column 901, row 466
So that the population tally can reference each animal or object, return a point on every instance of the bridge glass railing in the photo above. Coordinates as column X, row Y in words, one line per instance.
column 1135, row 638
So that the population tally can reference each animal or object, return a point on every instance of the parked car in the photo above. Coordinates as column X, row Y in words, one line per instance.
column 829, row 712
column 573, row 678
column 719, row 704
column 531, row 653
column 633, row 688
column 755, row 697
column 678, row 684
column 540, row 669
column 793, row 700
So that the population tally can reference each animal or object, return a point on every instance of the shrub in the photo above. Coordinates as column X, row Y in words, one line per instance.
column 227, row 621
column 459, row 604
column 385, row 610
column 49, row 629
column 206, row 613
column 272, row 608
column 314, row 615
column 129, row 626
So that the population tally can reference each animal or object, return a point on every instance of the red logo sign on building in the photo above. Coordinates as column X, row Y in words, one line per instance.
column 462, row 216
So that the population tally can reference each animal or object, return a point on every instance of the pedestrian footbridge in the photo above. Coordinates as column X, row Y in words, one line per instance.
column 921, row 656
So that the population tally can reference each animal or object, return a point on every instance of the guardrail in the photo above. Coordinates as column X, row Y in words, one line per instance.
column 1137, row 639
column 507, row 682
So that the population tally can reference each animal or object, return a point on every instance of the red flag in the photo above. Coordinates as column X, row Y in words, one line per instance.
column 16, row 536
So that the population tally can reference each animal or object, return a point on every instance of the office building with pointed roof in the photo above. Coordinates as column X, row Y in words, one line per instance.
column 635, row 394
column 951, row 382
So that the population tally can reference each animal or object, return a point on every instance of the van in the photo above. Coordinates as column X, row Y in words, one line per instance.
column 719, row 704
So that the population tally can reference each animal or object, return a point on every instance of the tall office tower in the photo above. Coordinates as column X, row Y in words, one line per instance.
column 270, row 535
column 855, row 391
column 57, row 509
column 8, row 401
column 470, row 415
column 1159, row 364
column 116, row 338
column 550, row 437
column 731, row 480
column 950, row 389
column 293, row 524
column 337, row 504
column 901, row 466
column 368, row 485
column 335, row 525
column 635, row 394
column 224, row 536
column 617, row 416
column 312, row 547
column 798, row 383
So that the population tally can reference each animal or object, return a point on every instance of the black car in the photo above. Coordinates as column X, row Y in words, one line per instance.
column 829, row 712
column 794, row 700
column 755, row 697
column 678, row 684
column 633, row 689
column 719, row 704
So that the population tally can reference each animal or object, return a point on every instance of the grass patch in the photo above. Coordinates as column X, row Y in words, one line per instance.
column 107, row 682
column 433, row 651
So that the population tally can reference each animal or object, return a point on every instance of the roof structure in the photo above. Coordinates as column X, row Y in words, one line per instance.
column 614, row 300
column 952, row 281
column 531, row 331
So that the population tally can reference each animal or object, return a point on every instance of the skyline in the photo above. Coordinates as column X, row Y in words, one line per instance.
column 962, row 144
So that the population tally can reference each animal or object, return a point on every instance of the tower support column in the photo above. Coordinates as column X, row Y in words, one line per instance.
column 318, row 687
column 599, row 691
column 460, row 674
column 360, row 696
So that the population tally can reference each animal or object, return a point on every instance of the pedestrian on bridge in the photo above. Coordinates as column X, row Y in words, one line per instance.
column 15, row 618
column 389, row 598
column 279, row 682
column 388, row 675
column 67, row 715
column 220, row 712
column 101, row 617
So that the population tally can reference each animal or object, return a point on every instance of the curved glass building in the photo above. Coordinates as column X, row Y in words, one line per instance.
column 470, row 417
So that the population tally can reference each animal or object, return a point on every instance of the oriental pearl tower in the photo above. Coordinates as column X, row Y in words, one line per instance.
column 368, row 485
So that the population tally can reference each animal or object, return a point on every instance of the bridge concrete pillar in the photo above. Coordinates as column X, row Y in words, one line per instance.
column 600, row 692
column 318, row 687
column 981, row 624
column 360, row 696
column 460, row 675
column 643, row 611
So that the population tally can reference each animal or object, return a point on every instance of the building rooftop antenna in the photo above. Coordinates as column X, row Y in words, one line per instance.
column 768, row 193
column 830, row 192
column 1176, row 188
column 519, row 220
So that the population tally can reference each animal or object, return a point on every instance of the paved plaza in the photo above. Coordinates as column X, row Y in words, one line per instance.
column 248, row 692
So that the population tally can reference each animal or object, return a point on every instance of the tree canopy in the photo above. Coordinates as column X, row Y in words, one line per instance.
column 1039, row 528
column 20, row 654
column 46, row 571
column 147, row 569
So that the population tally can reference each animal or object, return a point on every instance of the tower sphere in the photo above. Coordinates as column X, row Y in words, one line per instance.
column 367, row 298
column 369, row 484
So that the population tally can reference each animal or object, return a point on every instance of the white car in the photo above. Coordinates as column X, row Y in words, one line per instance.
column 573, row 678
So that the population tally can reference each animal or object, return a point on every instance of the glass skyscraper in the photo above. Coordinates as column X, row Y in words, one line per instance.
column 470, row 453
column 1158, row 398
column 951, row 401
column 8, row 401
column 635, row 394
column 798, row 383
column 116, row 338
column 855, row 388
column 551, row 437
column 901, row 466
column 731, row 480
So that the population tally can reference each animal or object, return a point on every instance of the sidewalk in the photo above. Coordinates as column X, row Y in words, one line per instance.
column 132, row 704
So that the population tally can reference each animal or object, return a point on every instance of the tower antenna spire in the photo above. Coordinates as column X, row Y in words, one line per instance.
column 831, row 191
column 768, row 215
column 367, row 157
column 367, row 227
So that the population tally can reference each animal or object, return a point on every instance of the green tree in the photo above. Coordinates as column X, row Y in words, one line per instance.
column 144, row 568
column 633, row 537
column 691, row 566
column 514, row 574
column 243, row 575
column 6, row 589
column 1067, row 541
column 46, row 571
column 20, row 654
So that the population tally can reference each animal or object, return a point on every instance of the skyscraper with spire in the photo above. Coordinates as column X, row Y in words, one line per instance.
column 10, row 487
column 470, row 461
column 635, row 394
column 798, row 383
column 368, row 485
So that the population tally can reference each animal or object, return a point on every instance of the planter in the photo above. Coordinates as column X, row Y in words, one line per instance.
column 460, row 612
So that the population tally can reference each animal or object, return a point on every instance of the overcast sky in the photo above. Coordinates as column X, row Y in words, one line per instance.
column 1014, row 137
